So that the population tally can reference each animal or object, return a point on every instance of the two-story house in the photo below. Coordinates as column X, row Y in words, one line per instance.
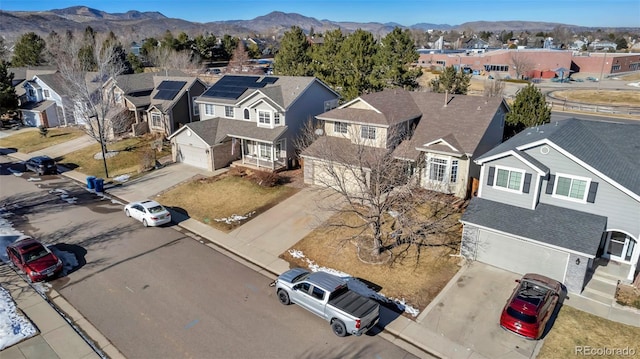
column 560, row 200
column 437, row 136
column 253, row 120
column 46, row 101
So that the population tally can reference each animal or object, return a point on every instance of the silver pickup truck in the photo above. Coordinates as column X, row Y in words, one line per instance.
column 328, row 297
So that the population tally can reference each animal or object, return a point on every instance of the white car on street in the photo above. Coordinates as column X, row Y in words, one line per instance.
column 150, row 213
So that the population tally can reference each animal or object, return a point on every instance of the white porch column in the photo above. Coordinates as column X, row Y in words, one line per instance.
column 634, row 259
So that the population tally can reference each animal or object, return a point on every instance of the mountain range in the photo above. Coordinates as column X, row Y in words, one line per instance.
column 140, row 25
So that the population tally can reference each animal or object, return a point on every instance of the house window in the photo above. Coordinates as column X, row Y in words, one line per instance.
column 571, row 187
column 281, row 149
column 265, row 150
column 454, row 171
column 247, row 115
column 32, row 93
column 437, row 169
column 276, row 118
column 264, row 117
column 196, row 108
column 46, row 93
column 209, row 109
column 156, row 120
column 228, row 111
column 340, row 127
column 368, row 132
column 509, row 179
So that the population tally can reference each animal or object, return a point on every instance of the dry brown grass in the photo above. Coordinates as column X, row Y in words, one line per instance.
column 30, row 140
column 416, row 281
column 628, row 295
column 577, row 328
column 476, row 86
column 602, row 97
column 223, row 196
column 631, row 77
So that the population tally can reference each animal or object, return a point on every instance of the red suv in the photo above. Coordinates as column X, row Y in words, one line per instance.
column 34, row 259
column 531, row 305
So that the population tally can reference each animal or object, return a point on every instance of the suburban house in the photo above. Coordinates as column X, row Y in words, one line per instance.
column 45, row 101
column 252, row 120
column 562, row 200
column 158, row 102
column 437, row 135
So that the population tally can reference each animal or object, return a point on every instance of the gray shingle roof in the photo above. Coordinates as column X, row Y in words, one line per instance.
column 611, row 148
column 215, row 130
column 393, row 106
column 562, row 227
column 56, row 82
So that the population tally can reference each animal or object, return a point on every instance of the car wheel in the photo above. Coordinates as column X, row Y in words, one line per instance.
column 283, row 297
column 338, row 328
column 144, row 223
column 126, row 212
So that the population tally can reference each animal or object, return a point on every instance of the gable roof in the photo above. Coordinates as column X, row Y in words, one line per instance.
column 163, row 103
column 461, row 123
column 607, row 147
column 55, row 81
column 557, row 226
column 387, row 107
column 283, row 90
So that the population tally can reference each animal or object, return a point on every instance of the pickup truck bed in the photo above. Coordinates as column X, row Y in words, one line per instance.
column 354, row 304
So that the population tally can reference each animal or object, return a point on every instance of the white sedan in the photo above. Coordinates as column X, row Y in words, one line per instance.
column 150, row 213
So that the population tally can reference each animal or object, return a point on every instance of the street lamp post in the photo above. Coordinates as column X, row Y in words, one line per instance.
column 604, row 61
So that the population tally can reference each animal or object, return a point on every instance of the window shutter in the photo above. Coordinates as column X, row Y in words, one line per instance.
column 552, row 179
column 593, row 188
column 492, row 172
column 527, row 183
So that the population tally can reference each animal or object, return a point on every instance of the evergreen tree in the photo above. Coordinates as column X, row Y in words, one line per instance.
column 8, row 97
column 29, row 50
column 205, row 46
column 3, row 50
column 324, row 58
column 136, row 65
column 293, row 58
column 622, row 44
column 451, row 81
column 355, row 64
column 229, row 44
column 394, row 58
column 529, row 109
column 148, row 47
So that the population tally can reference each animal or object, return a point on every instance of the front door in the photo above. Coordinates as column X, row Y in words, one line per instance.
column 619, row 247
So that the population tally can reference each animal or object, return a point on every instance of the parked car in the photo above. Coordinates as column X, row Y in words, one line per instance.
column 150, row 213
column 41, row 165
column 328, row 297
column 34, row 259
column 531, row 305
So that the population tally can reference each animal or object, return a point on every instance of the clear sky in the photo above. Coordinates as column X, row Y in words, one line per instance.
column 597, row 13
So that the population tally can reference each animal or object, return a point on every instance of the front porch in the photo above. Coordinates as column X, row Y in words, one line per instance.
column 261, row 164
column 603, row 278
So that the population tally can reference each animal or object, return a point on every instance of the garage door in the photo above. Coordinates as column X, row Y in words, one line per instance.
column 323, row 177
column 521, row 257
column 193, row 156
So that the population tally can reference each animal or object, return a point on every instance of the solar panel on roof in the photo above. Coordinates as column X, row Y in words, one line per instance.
column 171, row 85
column 233, row 86
column 269, row 80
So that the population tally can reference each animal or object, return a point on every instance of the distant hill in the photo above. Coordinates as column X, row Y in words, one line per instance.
column 138, row 25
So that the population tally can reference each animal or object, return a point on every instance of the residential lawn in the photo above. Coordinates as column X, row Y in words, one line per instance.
column 133, row 156
column 224, row 196
column 575, row 328
column 30, row 140
column 415, row 281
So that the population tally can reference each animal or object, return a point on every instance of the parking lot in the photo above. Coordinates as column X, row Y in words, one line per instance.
column 468, row 312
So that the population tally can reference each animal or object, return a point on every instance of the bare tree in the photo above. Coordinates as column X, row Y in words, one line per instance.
column 521, row 63
column 493, row 88
column 95, row 101
column 239, row 59
column 390, row 208
column 166, row 58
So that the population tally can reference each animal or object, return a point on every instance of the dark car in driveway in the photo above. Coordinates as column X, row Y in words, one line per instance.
column 531, row 305
column 34, row 259
column 41, row 165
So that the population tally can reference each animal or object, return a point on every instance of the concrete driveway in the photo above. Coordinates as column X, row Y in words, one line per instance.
column 468, row 312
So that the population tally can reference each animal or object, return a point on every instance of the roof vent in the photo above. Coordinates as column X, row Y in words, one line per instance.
column 479, row 108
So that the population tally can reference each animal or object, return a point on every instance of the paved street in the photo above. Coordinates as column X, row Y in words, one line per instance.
column 158, row 292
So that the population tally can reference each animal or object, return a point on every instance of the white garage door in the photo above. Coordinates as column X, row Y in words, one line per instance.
column 193, row 156
column 521, row 257
column 340, row 174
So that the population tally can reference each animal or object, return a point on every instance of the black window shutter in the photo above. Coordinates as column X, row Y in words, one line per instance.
column 552, row 179
column 492, row 171
column 527, row 183
column 593, row 188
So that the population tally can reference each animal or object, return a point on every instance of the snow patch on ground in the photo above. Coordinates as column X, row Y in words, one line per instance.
column 109, row 154
column 122, row 178
column 634, row 84
column 235, row 218
column 14, row 327
column 64, row 195
column 357, row 285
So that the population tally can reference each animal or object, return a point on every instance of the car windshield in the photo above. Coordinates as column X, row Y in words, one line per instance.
column 521, row 316
column 156, row 209
column 35, row 254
